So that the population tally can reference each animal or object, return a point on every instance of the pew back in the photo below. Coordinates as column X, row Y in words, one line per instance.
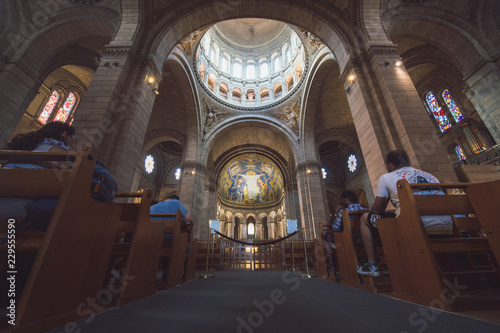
column 411, row 256
column 68, row 268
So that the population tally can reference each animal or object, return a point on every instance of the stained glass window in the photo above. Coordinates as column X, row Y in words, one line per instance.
column 352, row 163
column 178, row 174
column 149, row 164
column 437, row 112
column 65, row 111
column 49, row 107
column 455, row 112
column 460, row 153
column 323, row 172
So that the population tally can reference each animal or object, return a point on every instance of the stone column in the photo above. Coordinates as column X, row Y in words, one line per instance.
column 271, row 226
column 200, row 200
column 113, row 116
column 259, row 230
column 311, row 197
column 388, row 114
column 482, row 90
column 230, row 229
column 18, row 87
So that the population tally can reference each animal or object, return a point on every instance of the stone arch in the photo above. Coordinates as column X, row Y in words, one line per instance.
column 268, row 129
column 465, row 49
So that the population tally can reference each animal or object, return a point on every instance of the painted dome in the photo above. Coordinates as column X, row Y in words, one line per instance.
column 250, row 179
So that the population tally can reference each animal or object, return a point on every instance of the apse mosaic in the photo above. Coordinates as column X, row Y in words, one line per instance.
column 250, row 179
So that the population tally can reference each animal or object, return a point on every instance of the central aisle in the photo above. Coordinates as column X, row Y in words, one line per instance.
column 273, row 301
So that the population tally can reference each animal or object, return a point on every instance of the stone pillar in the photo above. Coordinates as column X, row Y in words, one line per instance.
column 200, row 200
column 259, row 230
column 113, row 117
column 388, row 114
column 271, row 226
column 482, row 90
column 18, row 87
column 311, row 197
column 230, row 229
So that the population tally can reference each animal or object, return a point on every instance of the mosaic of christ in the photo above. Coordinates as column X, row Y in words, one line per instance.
column 250, row 179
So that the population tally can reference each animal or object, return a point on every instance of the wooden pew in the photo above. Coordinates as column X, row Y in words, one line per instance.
column 348, row 256
column 176, row 253
column 412, row 257
column 72, row 254
column 319, row 254
column 485, row 199
column 137, row 243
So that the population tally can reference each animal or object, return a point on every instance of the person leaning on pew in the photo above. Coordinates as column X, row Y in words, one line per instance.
column 348, row 201
column 399, row 167
column 171, row 205
column 53, row 137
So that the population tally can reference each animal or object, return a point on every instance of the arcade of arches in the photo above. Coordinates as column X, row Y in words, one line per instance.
column 257, row 112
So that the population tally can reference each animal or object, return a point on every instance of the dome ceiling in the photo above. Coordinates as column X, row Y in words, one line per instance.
column 250, row 33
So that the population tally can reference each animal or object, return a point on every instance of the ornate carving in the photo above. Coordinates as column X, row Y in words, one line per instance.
column 187, row 43
column 383, row 51
column 116, row 51
column 314, row 41
column 290, row 116
column 85, row 2
column 212, row 116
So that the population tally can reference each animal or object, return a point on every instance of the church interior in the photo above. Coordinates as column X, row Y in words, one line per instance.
column 258, row 115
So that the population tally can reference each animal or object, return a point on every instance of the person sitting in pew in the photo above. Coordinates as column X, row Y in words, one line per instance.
column 170, row 206
column 53, row 137
column 348, row 201
column 399, row 167
column 36, row 213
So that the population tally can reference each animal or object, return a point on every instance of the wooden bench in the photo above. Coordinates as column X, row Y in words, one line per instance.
column 348, row 256
column 176, row 253
column 485, row 199
column 136, row 245
column 412, row 258
column 72, row 254
column 319, row 255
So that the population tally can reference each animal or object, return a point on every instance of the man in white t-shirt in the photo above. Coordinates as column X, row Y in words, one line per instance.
column 399, row 167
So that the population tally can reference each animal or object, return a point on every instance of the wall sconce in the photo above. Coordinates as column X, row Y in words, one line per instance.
column 152, row 82
column 106, row 64
column 386, row 63
column 115, row 63
column 351, row 78
column 398, row 63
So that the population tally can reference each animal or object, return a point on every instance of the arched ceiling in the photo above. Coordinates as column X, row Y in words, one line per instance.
column 251, row 133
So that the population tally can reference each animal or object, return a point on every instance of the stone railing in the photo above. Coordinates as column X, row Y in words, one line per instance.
column 487, row 156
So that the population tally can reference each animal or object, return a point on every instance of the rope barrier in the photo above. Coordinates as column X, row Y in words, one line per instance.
column 258, row 243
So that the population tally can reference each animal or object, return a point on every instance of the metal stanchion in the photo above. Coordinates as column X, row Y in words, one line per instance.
column 208, row 251
column 305, row 253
